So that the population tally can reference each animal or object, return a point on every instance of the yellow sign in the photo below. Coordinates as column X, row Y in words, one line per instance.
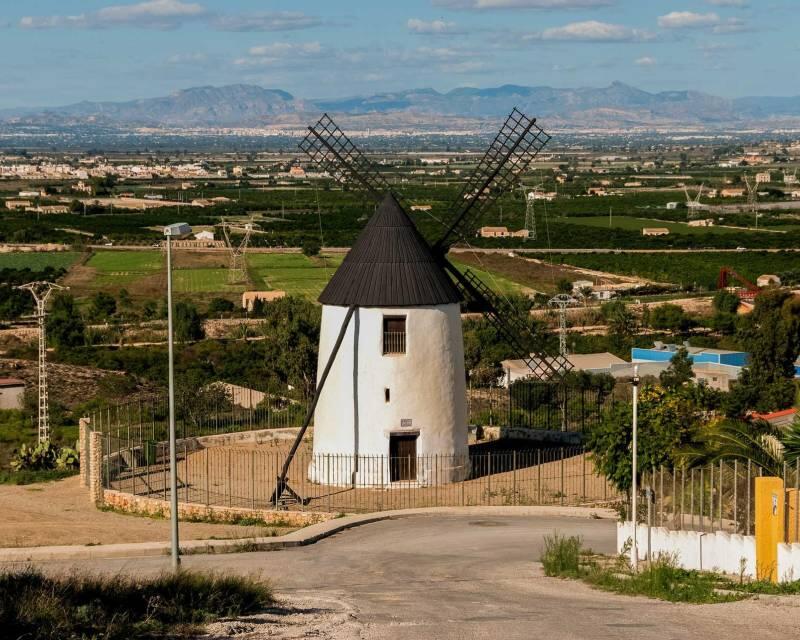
column 770, row 525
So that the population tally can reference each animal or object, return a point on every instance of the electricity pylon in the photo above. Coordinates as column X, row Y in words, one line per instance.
column 237, row 271
column 41, row 290
column 561, row 302
column 752, row 197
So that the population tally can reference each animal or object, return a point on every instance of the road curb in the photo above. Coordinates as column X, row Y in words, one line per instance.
column 300, row 538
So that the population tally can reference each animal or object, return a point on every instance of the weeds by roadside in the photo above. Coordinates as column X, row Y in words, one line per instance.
column 662, row 578
column 40, row 607
column 33, row 476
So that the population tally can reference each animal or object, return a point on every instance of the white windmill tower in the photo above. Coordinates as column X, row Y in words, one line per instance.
column 397, row 387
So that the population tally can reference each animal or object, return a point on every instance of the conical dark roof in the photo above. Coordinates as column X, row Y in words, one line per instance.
column 390, row 265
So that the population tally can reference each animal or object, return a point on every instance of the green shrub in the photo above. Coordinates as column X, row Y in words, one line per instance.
column 43, row 457
column 561, row 556
column 40, row 607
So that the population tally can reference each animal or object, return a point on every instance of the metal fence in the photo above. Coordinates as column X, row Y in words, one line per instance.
column 245, row 477
column 224, row 410
column 538, row 405
column 714, row 497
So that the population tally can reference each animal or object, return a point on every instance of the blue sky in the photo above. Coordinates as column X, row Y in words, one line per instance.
column 60, row 51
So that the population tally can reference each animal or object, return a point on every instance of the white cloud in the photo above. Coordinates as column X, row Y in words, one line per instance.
column 151, row 14
column 645, row 61
column 270, row 21
column 187, row 58
column 280, row 53
column 728, row 3
column 591, row 31
column 432, row 27
column 688, row 20
column 487, row 5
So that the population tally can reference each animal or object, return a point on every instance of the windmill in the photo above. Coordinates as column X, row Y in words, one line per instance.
column 694, row 204
column 752, row 196
column 391, row 322
column 237, row 272
column 530, row 214
column 41, row 290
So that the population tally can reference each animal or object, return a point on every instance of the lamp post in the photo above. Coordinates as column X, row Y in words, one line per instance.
column 635, row 484
column 173, row 231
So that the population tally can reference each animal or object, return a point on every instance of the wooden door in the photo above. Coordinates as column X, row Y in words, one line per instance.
column 403, row 457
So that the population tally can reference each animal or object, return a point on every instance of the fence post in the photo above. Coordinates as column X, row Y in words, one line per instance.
column 96, row 492
column 561, row 491
column 253, row 479
column 583, row 481
column 539, row 474
column 514, row 490
column 208, row 496
column 84, row 427
column 489, row 477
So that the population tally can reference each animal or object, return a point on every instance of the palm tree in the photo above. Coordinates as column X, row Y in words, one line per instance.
column 758, row 442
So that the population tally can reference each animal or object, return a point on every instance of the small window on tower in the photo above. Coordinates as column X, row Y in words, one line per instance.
column 394, row 334
column 386, row 395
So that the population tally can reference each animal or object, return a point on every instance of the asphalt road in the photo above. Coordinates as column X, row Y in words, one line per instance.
column 469, row 576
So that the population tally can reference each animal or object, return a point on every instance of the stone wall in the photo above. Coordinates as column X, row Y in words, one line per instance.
column 154, row 507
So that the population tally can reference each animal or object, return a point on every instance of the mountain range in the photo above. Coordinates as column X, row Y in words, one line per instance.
column 618, row 105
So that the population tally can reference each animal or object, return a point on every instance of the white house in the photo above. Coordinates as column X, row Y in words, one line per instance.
column 204, row 235
column 396, row 388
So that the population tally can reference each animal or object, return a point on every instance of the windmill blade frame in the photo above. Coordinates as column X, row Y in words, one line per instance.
column 511, row 152
column 330, row 148
column 498, row 313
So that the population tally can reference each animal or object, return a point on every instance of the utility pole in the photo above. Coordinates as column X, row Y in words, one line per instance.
column 41, row 290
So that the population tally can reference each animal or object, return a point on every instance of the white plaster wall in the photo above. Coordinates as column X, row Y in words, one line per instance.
column 788, row 562
column 719, row 551
column 427, row 386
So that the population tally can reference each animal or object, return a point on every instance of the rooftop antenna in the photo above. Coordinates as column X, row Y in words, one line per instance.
column 752, row 196
column 561, row 301
column 237, row 272
column 41, row 290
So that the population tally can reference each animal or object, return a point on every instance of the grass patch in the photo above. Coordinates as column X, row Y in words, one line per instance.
column 40, row 607
column 293, row 273
column 32, row 477
column 662, row 579
column 204, row 280
column 38, row 261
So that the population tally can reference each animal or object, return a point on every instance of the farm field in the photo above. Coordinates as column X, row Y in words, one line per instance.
column 38, row 260
column 204, row 280
column 293, row 273
column 520, row 274
column 698, row 268
column 637, row 224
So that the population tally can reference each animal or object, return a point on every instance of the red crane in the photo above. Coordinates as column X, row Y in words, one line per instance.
column 747, row 292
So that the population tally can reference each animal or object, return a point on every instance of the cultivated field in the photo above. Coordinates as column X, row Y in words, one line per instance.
column 292, row 272
column 637, row 224
column 36, row 261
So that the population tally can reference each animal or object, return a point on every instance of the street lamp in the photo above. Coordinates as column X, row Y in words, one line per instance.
column 635, row 487
column 173, row 231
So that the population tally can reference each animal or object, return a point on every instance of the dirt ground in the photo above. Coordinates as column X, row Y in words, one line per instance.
column 58, row 513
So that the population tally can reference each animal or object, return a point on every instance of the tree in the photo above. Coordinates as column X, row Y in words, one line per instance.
column 311, row 247
column 219, row 306
column 102, row 306
column 65, row 327
column 564, row 286
column 670, row 317
column 679, row 371
column 187, row 323
column 668, row 422
column 771, row 334
column 291, row 328
column 725, row 301
column 621, row 324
